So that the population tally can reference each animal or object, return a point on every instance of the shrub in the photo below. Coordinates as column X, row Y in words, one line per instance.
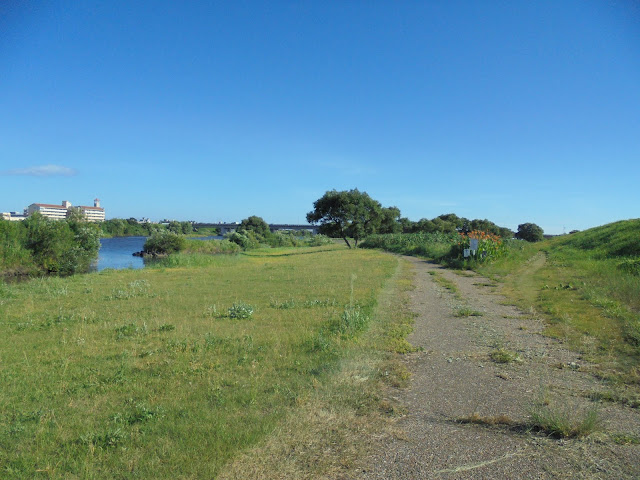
column 211, row 246
column 630, row 265
column 247, row 240
column 61, row 247
column 319, row 241
column 284, row 239
column 164, row 243
column 14, row 256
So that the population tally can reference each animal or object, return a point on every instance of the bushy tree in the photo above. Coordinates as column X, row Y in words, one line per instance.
column 164, row 243
column 423, row 225
column 174, row 227
column 452, row 222
column 62, row 247
column 530, row 232
column 13, row 254
column 244, row 238
column 256, row 225
column 390, row 220
column 186, row 228
column 346, row 214
column 406, row 225
column 444, row 226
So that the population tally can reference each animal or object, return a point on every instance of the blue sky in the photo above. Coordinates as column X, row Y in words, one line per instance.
column 512, row 111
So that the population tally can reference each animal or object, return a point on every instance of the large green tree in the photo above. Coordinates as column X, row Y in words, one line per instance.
column 347, row 214
column 390, row 220
column 530, row 232
column 255, row 224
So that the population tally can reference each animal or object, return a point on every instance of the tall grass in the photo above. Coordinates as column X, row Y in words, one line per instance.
column 445, row 248
column 211, row 247
column 433, row 245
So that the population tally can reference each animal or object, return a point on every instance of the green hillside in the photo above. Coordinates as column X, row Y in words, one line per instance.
column 618, row 239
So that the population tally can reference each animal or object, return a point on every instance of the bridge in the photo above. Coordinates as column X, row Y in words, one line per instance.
column 274, row 227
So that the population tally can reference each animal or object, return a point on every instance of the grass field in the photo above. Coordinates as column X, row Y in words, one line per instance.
column 155, row 373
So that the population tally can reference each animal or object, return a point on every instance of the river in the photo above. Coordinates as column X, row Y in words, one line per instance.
column 117, row 252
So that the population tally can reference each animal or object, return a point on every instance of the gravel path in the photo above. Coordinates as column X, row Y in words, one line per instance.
column 454, row 377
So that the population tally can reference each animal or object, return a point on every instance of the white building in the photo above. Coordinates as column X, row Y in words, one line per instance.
column 93, row 214
column 12, row 216
column 55, row 212
column 61, row 212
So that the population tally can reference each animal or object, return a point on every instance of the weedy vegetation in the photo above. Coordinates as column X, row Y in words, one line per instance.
column 467, row 312
column 502, row 355
column 564, row 421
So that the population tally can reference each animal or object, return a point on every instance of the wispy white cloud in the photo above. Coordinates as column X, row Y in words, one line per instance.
column 42, row 171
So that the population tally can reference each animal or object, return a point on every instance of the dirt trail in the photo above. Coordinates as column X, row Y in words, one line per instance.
column 454, row 377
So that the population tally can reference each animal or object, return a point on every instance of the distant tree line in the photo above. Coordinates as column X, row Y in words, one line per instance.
column 353, row 215
column 120, row 227
column 254, row 232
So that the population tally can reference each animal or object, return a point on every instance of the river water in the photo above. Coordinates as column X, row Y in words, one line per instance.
column 117, row 252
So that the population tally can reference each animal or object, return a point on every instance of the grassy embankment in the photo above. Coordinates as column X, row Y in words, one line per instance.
column 587, row 286
column 145, row 373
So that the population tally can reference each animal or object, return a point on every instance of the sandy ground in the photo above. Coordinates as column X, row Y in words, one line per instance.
column 453, row 377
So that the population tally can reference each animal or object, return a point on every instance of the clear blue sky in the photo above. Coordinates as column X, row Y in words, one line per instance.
column 515, row 111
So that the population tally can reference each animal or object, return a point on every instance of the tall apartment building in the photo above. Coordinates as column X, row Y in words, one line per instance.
column 60, row 212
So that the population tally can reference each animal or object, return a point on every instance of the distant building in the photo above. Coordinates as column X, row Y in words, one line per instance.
column 12, row 216
column 61, row 212
column 93, row 214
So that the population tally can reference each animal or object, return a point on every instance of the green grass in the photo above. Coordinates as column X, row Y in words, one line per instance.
column 467, row 312
column 576, row 283
column 322, row 437
column 618, row 239
column 446, row 283
column 502, row 355
column 144, row 373
column 564, row 422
